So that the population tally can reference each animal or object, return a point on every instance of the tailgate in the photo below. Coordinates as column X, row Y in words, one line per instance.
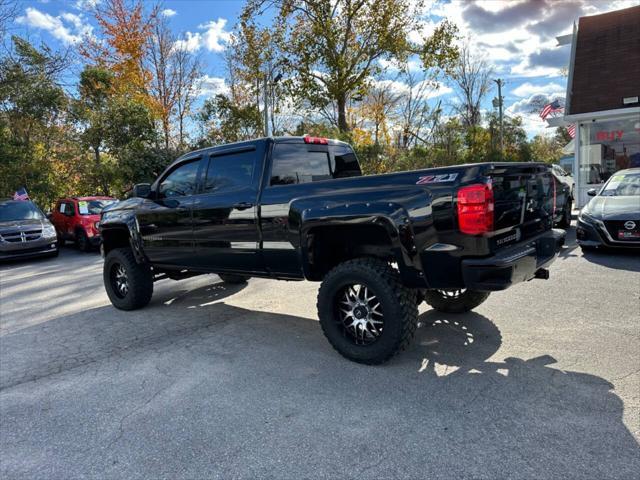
column 523, row 201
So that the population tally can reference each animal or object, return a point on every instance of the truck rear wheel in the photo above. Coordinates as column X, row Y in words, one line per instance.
column 232, row 279
column 365, row 312
column 455, row 301
column 129, row 284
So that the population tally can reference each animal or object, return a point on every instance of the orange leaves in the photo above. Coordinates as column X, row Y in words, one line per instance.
column 125, row 32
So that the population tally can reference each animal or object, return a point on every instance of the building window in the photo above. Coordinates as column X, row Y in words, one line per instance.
column 607, row 146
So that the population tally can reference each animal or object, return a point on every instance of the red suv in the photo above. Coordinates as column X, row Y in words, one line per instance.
column 77, row 218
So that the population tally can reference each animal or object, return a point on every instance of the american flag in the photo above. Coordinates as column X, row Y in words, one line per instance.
column 21, row 194
column 571, row 130
column 550, row 108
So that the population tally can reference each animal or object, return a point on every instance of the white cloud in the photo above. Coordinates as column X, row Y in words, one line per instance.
column 67, row 27
column 393, row 65
column 528, row 89
column 528, row 109
column 423, row 89
column 191, row 43
column 210, row 86
column 86, row 4
column 168, row 12
column 213, row 37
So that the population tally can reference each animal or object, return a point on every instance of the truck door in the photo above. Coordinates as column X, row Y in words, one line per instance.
column 165, row 222
column 225, row 212
column 295, row 167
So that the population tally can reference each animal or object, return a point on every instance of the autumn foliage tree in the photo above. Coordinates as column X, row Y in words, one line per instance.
column 332, row 48
column 123, row 45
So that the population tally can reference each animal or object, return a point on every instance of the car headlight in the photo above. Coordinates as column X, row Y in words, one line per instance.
column 586, row 218
column 48, row 230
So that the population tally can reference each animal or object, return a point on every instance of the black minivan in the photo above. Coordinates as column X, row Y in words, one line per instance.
column 25, row 231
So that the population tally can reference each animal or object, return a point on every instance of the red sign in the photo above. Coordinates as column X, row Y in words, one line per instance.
column 604, row 135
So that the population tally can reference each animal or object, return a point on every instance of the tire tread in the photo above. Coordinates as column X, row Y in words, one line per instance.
column 140, row 281
column 407, row 301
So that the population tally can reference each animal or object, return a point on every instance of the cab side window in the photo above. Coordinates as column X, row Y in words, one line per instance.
column 344, row 162
column 181, row 181
column 230, row 171
column 69, row 209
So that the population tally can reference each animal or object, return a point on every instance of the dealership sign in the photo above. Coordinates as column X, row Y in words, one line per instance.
column 604, row 135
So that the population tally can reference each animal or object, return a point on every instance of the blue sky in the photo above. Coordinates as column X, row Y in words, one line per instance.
column 517, row 37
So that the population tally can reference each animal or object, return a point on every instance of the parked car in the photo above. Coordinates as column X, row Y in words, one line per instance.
column 25, row 231
column 76, row 219
column 564, row 197
column 294, row 208
column 612, row 217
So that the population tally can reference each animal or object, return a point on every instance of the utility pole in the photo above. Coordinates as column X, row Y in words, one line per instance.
column 500, row 83
column 265, row 88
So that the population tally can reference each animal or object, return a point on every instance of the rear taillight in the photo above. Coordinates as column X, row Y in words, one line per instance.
column 475, row 209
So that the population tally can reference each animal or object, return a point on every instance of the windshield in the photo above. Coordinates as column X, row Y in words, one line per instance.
column 12, row 211
column 93, row 207
column 622, row 185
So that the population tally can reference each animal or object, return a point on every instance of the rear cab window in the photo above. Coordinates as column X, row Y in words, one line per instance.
column 230, row 171
column 296, row 163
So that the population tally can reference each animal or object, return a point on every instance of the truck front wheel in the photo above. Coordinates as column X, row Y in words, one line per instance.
column 129, row 284
column 455, row 301
column 365, row 312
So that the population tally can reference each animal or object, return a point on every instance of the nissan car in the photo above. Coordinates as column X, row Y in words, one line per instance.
column 611, row 219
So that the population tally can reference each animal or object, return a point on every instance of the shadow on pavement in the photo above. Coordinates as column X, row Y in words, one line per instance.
column 223, row 376
column 618, row 259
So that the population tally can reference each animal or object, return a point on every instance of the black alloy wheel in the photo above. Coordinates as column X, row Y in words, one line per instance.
column 365, row 311
column 129, row 284
column 119, row 280
column 360, row 314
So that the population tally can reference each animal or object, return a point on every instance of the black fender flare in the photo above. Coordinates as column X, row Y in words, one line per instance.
column 130, row 225
column 397, row 219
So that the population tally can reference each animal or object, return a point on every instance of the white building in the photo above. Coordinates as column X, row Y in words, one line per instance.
column 602, row 97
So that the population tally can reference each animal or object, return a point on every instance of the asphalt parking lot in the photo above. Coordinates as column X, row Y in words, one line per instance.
column 541, row 381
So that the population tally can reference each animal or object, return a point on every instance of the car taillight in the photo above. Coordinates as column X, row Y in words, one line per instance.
column 316, row 140
column 475, row 209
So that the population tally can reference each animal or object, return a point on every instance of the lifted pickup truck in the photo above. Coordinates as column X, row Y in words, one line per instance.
column 295, row 208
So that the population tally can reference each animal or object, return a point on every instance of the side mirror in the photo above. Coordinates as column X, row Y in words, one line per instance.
column 141, row 190
column 592, row 192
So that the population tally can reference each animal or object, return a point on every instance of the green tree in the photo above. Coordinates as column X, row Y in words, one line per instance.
column 35, row 140
column 333, row 48
column 547, row 148
column 92, row 110
column 222, row 120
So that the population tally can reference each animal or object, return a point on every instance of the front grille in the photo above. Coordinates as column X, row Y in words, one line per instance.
column 614, row 226
column 21, row 236
column 25, row 251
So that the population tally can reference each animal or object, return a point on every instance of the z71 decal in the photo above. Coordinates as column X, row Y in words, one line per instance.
column 446, row 177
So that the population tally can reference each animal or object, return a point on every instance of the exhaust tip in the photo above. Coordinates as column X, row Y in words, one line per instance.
column 542, row 273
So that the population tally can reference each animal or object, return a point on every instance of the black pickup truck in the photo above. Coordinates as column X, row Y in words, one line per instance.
column 296, row 208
